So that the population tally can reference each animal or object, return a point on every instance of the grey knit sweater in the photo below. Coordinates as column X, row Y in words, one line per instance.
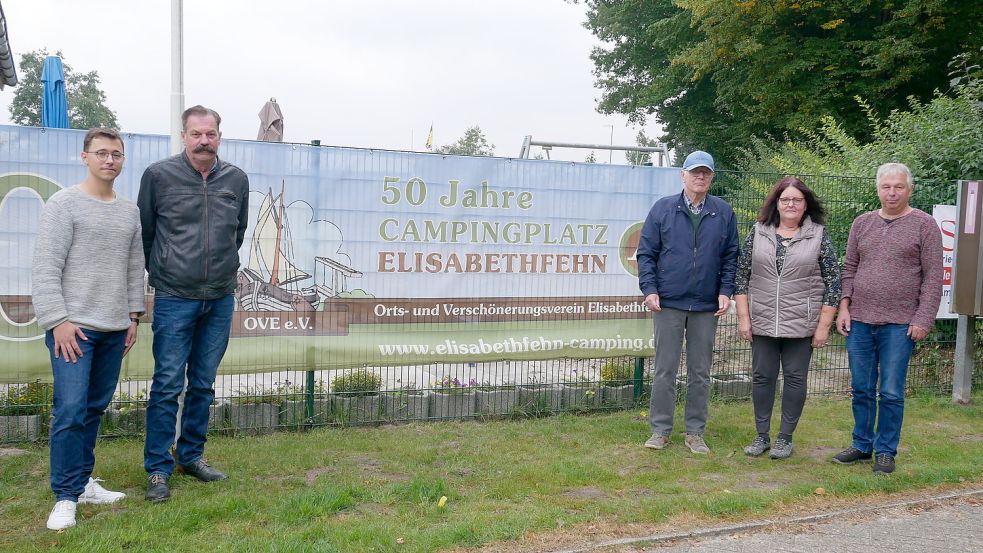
column 88, row 262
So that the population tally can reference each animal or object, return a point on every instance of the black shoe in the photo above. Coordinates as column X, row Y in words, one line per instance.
column 850, row 456
column 884, row 463
column 157, row 489
column 202, row 471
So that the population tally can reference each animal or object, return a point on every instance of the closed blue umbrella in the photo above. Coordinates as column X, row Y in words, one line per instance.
column 54, row 106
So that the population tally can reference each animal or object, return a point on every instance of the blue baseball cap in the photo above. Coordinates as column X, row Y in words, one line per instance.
column 696, row 159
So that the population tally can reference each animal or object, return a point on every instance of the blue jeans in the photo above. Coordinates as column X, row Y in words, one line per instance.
column 878, row 352
column 190, row 338
column 82, row 391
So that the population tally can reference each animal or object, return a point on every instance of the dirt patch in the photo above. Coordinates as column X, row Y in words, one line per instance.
column 364, row 462
column 821, row 453
column 650, row 494
column 313, row 473
column 967, row 438
column 588, row 492
column 371, row 468
column 757, row 481
column 11, row 451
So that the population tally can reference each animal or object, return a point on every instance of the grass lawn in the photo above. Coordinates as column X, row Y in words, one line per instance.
column 377, row 489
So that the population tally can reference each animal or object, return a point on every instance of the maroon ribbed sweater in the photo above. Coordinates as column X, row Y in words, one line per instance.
column 893, row 271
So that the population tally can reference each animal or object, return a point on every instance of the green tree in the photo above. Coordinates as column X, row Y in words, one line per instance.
column 718, row 73
column 86, row 101
column 473, row 143
column 940, row 140
column 641, row 158
column 591, row 158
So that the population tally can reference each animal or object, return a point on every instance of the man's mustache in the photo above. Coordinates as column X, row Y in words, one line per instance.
column 204, row 148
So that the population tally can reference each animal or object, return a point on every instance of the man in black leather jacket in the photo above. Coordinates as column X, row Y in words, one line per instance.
column 194, row 210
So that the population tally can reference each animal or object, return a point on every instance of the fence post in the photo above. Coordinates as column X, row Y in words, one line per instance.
column 639, row 377
column 962, row 376
column 309, row 389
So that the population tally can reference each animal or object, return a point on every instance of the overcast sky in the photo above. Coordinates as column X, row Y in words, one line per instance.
column 372, row 73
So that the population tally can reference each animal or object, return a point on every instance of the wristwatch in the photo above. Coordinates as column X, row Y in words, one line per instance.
column 135, row 320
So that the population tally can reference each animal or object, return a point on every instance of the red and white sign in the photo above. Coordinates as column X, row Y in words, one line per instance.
column 945, row 217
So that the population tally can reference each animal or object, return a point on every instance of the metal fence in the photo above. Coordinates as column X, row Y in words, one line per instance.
column 300, row 399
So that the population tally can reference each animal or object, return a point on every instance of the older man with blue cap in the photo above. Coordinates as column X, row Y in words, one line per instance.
column 687, row 259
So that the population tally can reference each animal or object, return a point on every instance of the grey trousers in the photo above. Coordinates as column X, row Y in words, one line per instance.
column 671, row 326
column 767, row 354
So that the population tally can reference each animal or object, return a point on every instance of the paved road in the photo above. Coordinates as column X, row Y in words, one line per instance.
column 951, row 523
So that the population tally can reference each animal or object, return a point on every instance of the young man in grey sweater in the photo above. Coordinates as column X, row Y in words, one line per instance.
column 88, row 292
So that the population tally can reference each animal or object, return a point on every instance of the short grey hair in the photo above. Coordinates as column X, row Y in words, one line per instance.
column 200, row 111
column 889, row 169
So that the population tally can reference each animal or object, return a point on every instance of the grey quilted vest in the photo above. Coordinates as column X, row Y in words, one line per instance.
column 786, row 305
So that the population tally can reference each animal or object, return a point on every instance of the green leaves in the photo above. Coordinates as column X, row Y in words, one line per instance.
column 473, row 143
column 716, row 74
column 86, row 100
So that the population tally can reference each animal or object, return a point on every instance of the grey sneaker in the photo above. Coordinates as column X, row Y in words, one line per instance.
column 657, row 441
column 758, row 446
column 696, row 444
column 782, row 450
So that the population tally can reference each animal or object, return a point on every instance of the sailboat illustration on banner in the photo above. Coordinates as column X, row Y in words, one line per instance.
column 271, row 280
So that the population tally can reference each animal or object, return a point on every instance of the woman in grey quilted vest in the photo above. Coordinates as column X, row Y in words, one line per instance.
column 787, row 292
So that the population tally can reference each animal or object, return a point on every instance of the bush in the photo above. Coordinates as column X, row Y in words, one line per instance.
column 288, row 391
column 34, row 398
column 453, row 385
column 940, row 140
column 618, row 372
column 256, row 395
column 125, row 401
column 360, row 382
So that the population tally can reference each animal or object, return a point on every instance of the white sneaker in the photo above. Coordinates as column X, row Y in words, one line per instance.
column 97, row 495
column 62, row 516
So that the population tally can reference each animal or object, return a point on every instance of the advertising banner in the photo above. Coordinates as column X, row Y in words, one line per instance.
column 945, row 218
column 358, row 257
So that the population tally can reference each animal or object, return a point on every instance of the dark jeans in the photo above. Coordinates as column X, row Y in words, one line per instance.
column 767, row 355
column 671, row 326
column 82, row 391
column 190, row 338
column 879, row 357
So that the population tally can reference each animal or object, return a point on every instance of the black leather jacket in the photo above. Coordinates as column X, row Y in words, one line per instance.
column 193, row 228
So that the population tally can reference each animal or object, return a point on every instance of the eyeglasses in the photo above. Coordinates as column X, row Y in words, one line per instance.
column 103, row 155
column 792, row 201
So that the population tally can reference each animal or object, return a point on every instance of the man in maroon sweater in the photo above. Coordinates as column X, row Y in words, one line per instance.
column 892, row 285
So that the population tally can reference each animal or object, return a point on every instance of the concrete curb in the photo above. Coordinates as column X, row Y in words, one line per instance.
column 766, row 523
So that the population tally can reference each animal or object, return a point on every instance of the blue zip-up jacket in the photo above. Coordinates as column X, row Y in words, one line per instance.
column 688, row 272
